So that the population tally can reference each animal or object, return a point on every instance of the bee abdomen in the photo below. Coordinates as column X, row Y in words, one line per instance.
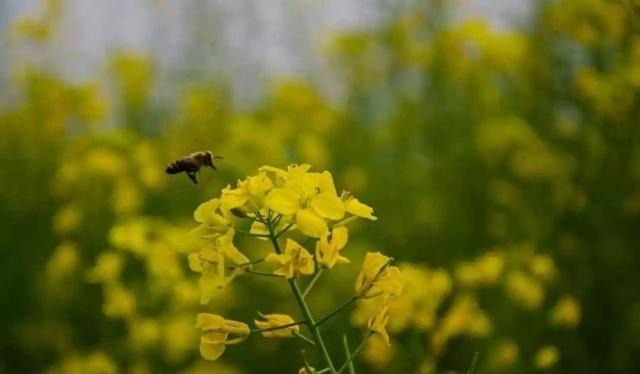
column 181, row 165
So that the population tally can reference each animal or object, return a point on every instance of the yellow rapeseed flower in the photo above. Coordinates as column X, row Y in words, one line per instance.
column 546, row 357
column 376, row 278
column 328, row 250
column 566, row 313
column 216, row 332
column 212, row 217
column 273, row 321
column 378, row 322
column 295, row 260
column 525, row 289
column 210, row 261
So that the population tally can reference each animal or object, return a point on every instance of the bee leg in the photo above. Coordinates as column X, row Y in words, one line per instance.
column 192, row 176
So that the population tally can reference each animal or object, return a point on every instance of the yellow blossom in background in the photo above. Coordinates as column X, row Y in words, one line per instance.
column 328, row 250
column 485, row 270
column 295, row 260
column 524, row 289
column 178, row 337
column 546, row 357
column 67, row 219
column 131, row 236
column 107, row 268
column 464, row 317
column 377, row 352
column 144, row 333
column 274, row 320
column 566, row 312
column 217, row 333
column 504, row 355
column 423, row 292
column 543, row 267
column 119, row 302
column 64, row 261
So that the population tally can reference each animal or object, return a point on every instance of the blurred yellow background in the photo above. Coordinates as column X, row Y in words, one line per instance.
column 503, row 165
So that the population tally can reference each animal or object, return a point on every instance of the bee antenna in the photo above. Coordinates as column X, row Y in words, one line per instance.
column 218, row 157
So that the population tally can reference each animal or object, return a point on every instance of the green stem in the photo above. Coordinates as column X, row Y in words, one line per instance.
column 311, row 325
column 474, row 362
column 299, row 335
column 336, row 310
column 347, row 352
column 355, row 352
column 284, row 230
column 312, row 283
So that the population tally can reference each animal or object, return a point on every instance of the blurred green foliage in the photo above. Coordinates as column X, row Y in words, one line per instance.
column 504, row 168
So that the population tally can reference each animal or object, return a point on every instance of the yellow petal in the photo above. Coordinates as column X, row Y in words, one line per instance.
column 359, row 209
column 211, row 351
column 283, row 200
column 310, row 223
column 328, row 206
column 206, row 210
column 325, row 183
column 339, row 237
column 232, row 198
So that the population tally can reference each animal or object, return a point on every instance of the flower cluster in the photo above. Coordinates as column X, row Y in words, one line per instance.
column 278, row 205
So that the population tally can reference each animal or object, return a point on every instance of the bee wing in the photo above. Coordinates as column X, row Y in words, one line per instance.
column 192, row 176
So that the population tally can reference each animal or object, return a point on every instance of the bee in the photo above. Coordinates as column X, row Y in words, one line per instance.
column 191, row 164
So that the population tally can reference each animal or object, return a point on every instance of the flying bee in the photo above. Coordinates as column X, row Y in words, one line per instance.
column 191, row 164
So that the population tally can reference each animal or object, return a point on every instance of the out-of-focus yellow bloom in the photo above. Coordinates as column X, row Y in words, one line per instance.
column 63, row 262
column 210, row 261
column 504, row 355
column 118, row 302
column 178, row 336
column 566, row 313
column 107, row 268
column 464, row 317
column 144, row 333
column 377, row 352
column 546, row 357
column 483, row 271
column 423, row 292
column 131, row 236
column 328, row 250
column 134, row 75
column 96, row 362
column 295, row 260
column 375, row 279
column 543, row 267
column 126, row 197
column 378, row 322
column 526, row 290
column 215, row 334
column 105, row 162
column 66, row 219
column 275, row 320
